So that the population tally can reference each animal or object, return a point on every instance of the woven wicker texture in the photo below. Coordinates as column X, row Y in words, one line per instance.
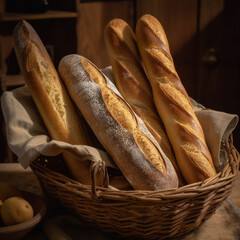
column 133, row 214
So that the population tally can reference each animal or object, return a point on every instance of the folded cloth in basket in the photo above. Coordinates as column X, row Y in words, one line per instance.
column 28, row 138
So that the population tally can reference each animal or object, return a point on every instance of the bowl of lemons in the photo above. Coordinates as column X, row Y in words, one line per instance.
column 20, row 212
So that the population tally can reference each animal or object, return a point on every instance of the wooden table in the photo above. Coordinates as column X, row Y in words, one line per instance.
column 224, row 224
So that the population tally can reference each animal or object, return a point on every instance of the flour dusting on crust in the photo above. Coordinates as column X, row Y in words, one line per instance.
column 87, row 95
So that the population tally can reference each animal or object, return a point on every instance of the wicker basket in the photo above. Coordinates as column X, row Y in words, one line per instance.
column 162, row 214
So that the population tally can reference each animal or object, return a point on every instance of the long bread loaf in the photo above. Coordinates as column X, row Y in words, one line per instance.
column 133, row 84
column 121, row 132
column 172, row 101
column 50, row 96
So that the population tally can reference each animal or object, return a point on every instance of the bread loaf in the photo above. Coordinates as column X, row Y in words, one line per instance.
column 50, row 96
column 132, row 83
column 172, row 101
column 121, row 132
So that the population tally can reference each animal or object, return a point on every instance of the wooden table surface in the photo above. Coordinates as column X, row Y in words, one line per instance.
column 224, row 224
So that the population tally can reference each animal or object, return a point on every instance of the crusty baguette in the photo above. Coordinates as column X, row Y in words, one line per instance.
column 121, row 132
column 172, row 101
column 50, row 96
column 133, row 84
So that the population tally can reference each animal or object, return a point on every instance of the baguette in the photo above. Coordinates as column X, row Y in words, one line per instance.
column 120, row 131
column 132, row 83
column 50, row 96
column 172, row 101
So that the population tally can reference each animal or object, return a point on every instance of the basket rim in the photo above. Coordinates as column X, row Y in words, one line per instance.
column 189, row 190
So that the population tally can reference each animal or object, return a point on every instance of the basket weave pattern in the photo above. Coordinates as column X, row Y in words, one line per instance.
column 138, row 214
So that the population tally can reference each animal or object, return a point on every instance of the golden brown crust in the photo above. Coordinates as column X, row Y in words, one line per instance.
column 50, row 96
column 172, row 102
column 121, row 132
column 132, row 82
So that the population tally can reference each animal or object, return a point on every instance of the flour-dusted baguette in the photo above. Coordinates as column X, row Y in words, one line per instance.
column 172, row 102
column 133, row 84
column 121, row 132
column 50, row 96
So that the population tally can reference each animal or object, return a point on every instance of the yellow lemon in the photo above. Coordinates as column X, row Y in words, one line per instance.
column 16, row 210
column 8, row 190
